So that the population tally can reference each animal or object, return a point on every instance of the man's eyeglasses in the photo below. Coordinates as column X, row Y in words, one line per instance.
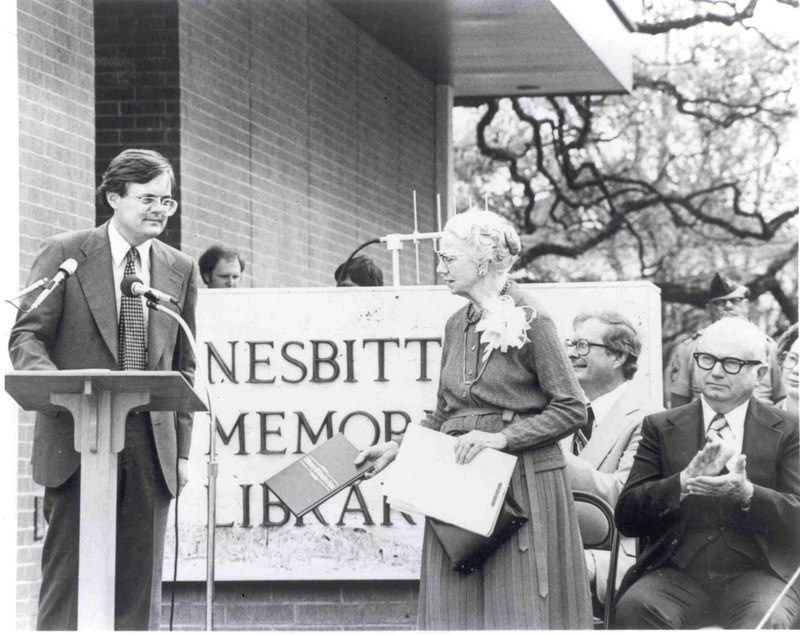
column 583, row 346
column 789, row 360
column 731, row 365
column 168, row 205
column 721, row 302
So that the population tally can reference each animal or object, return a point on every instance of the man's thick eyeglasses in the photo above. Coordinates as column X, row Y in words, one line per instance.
column 721, row 302
column 789, row 360
column 731, row 365
column 168, row 205
column 583, row 346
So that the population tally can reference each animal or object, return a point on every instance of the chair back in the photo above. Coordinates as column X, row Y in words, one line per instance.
column 596, row 523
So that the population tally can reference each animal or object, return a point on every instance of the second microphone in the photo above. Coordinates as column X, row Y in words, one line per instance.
column 133, row 287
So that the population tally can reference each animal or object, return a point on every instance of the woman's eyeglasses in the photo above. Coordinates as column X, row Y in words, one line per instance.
column 446, row 259
column 789, row 360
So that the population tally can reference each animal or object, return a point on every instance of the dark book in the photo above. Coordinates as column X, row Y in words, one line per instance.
column 320, row 474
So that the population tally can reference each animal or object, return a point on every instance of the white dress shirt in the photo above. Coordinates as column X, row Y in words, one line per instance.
column 119, row 249
column 602, row 404
column 735, row 419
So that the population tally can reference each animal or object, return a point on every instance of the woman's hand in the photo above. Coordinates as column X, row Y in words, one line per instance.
column 469, row 444
column 381, row 453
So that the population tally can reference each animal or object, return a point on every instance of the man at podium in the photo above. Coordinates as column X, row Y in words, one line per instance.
column 86, row 322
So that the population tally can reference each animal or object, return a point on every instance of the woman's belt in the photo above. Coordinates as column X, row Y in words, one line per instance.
column 466, row 420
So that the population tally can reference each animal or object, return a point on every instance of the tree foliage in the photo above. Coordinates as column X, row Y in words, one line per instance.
column 692, row 173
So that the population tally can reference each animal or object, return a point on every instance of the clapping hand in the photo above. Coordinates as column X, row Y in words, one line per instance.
column 711, row 460
column 733, row 485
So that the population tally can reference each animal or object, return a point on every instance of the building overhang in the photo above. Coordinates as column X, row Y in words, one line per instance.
column 501, row 48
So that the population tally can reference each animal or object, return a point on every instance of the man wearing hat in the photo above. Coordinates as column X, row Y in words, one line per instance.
column 726, row 298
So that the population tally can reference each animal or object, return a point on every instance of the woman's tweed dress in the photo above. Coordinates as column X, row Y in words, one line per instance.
column 536, row 580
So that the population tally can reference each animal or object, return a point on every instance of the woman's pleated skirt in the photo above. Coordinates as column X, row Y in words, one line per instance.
column 535, row 580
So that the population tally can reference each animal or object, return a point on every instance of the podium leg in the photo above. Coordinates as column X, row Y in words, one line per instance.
column 99, row 436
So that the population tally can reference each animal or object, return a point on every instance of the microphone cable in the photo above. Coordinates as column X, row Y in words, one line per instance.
column 177, row 499
column 343, row 270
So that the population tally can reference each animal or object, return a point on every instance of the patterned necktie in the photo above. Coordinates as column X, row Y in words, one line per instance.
column 132, row 352
column 582, row 436
column 719, row 424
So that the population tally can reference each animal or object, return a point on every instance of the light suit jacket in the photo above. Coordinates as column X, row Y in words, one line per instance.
column 603, row 466
column 76, row 327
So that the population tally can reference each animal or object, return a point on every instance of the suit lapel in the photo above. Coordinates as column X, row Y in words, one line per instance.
column 164, row 278
column 684, row 438
column 609, row 429
column 761, row 443
column 96, row 276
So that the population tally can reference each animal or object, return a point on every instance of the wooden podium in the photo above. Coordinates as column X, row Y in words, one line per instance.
column 99, row 401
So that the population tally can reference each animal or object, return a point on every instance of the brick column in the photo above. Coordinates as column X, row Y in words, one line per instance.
column 137, row 86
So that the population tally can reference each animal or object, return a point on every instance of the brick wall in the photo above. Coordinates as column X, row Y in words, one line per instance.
column 56, row 137
column 295, row 136
column 301, row 138
column 137, row 88
column 289, row 606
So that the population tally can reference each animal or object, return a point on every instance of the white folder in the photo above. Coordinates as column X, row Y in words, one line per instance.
column 425, row 479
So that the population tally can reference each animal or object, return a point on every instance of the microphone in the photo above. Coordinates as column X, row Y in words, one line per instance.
column 65, row 270
column 133, row 287
column 39, row 283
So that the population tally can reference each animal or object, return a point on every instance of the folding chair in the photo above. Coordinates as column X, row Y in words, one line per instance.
column 598, row 531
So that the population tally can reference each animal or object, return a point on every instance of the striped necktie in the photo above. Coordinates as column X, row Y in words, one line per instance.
column 582, row 435
column 131, row 347
column 719, row 424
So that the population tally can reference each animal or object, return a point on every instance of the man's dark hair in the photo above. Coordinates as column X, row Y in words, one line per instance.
column 211, row 256
column 362, row 271
column 620, row 337
column 134, row 166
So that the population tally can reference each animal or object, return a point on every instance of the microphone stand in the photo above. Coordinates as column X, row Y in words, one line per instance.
column 213, row 468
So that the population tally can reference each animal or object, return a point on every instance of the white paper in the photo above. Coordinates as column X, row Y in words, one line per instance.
column 426, row 479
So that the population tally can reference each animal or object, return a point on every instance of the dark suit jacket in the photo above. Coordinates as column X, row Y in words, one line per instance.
column 649, row 506
column 76, row 327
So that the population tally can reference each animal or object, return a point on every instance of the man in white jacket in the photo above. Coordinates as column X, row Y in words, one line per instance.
column 604, row 351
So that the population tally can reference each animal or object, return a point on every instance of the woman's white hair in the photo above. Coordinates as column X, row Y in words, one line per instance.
column 488, row 238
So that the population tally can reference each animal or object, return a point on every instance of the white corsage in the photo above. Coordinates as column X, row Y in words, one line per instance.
column 503, row 324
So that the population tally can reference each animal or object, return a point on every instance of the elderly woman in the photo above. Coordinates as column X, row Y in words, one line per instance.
column 788, row 352
column 505, row 384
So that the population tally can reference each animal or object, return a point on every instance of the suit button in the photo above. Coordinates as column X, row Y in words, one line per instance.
column 674, row 541
column 709, row 538
column 464, row 394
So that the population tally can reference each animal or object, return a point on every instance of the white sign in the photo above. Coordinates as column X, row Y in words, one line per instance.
column 287, row 369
